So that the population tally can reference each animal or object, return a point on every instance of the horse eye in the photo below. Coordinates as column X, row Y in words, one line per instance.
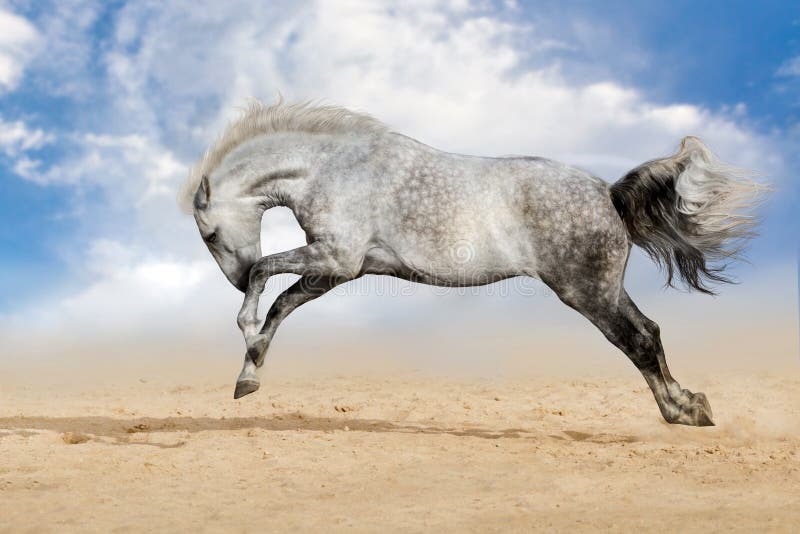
column 210, row 238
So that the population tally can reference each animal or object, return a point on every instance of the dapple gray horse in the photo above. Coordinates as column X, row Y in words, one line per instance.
column 372, row 201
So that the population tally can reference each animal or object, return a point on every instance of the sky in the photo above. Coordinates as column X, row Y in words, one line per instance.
column 104, row 106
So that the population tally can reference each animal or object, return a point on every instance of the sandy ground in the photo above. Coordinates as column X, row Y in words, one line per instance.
column 405, row 453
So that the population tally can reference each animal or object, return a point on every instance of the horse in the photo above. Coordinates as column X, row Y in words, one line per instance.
column 374, row 201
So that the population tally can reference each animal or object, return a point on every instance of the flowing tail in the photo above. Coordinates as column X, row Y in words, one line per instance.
column 690, row 212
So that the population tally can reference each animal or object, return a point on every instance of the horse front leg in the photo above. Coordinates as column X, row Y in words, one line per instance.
column 320, row 274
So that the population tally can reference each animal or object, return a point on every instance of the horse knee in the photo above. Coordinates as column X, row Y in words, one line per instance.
column 258, row 276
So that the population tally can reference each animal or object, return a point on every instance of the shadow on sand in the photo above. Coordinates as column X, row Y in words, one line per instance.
column 118, row 428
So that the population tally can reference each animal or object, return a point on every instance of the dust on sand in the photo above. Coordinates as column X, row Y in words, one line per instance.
column 406, row 453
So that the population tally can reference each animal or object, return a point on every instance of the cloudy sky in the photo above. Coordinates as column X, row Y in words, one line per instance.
column 105, row 105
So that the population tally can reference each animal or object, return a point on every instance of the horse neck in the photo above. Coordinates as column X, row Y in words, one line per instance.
column 285, row 167
column 273, row 163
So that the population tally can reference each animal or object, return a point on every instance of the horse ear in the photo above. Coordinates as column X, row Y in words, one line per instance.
column 203, row 194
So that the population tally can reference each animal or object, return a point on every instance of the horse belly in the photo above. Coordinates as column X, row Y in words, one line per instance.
column 451, row 220
column 479, row 249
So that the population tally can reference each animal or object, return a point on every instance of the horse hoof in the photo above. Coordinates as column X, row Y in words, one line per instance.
column 693, row 411
column 245, row 387
column 701, row 400
column 701, row 410
column 703, row 419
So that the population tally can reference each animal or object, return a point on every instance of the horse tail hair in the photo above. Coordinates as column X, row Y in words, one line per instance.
column 691, row 213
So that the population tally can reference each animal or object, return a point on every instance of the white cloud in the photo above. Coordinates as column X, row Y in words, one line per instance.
column 26, row 167
column 790, row 67
column 130, row 288
column 69, row 67
column 132, row 166
column 455, row 76
column 19, row 42
column 460, row 79
column 17, row 137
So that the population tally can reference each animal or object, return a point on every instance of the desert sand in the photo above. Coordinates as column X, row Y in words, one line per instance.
column 400, row 452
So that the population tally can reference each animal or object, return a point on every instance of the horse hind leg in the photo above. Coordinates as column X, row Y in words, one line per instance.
column 683, row 396
column 677, row 405
column 609, row 307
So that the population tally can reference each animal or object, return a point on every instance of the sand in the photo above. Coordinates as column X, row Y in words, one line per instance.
column 406, row 453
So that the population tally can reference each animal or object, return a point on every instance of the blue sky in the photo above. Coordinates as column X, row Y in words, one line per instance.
column 104, row 105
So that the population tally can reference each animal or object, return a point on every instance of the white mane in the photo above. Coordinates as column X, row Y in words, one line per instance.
column 259, row 119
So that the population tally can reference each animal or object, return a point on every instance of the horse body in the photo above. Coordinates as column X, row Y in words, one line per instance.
column 392, row 205
column 376, row 202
